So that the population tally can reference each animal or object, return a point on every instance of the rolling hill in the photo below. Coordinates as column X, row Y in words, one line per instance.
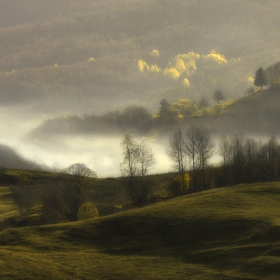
column 228, row 233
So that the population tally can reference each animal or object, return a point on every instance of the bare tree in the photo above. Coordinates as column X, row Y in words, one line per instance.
column 130, row 156
column 75, row 194
column 176, row 151
column 138, row 160
column 204, row 146
column 80, row 175
column 225, row 151
column 270, row 163
column 199, row 149
column 146, row 158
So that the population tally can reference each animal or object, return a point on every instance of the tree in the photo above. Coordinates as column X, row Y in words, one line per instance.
column 203, row 102
column 199, row 149
column 176, row 151
column 146, row 159
column 80, row 175
column 270, row 163
column 218, row 96
column 138, row 159
column 130, row 155
column 226, row 152
column 74, row 195
column 272, row 74
column 136, row 118
column 260, row 78
column 24, row 195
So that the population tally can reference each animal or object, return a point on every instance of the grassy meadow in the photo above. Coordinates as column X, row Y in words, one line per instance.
column 226, row 233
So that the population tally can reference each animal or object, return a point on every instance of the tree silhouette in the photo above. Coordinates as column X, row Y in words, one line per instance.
column 218, row 96
column 260, row 78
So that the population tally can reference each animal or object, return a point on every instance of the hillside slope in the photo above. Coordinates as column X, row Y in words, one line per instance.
column 228, row 233
column 256, row 113
column 74, row 55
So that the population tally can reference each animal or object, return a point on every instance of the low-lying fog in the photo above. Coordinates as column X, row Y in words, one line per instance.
column 101, row 154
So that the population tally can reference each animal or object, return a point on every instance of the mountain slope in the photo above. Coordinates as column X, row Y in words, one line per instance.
column 10, row 159
column 77, row 55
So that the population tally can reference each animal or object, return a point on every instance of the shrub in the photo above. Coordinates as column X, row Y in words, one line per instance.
column 53, row 209
column 87, row 211
column 174, row 188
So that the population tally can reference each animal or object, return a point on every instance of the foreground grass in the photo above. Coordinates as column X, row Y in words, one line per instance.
column 230, row 233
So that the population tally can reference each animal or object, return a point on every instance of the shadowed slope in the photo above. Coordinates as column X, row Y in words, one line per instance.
column 220, row 234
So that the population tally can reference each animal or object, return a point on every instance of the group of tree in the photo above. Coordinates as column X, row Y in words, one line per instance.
column 191, row 153
column 64, row 197
column 133, row 119
column 272, row 74
column 244, row 160
column 269, row 76
column 138, row 159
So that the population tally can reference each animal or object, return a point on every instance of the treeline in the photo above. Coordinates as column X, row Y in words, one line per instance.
column 244, row 160
column 133, row 119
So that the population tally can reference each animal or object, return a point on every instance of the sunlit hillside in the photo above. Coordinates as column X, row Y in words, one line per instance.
column 256, row 113
column 97, row 55
column 228, row 233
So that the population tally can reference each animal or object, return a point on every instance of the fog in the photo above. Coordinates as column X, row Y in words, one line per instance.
column 60, row 58
column 101, row 154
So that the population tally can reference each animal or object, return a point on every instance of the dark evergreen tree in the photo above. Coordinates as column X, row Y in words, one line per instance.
column 260, row 78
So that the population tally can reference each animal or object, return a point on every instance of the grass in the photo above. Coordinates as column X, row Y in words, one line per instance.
column 228, row 233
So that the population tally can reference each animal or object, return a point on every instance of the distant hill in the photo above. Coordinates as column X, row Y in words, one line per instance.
column 10, row 159
column 89, row 56
column 257, row 113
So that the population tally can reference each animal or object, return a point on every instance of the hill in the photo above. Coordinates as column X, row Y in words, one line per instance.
column 257, row 113
column 76, row 55
column 10, row 159
column 229, row 233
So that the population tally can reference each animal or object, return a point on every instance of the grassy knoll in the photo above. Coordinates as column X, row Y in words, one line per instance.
column 229, row 233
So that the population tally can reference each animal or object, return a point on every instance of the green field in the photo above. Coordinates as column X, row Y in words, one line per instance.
column 228, row 233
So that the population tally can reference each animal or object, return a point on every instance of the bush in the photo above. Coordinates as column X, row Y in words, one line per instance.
column 87, row 211
column 174, row 188
column 53, row 209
